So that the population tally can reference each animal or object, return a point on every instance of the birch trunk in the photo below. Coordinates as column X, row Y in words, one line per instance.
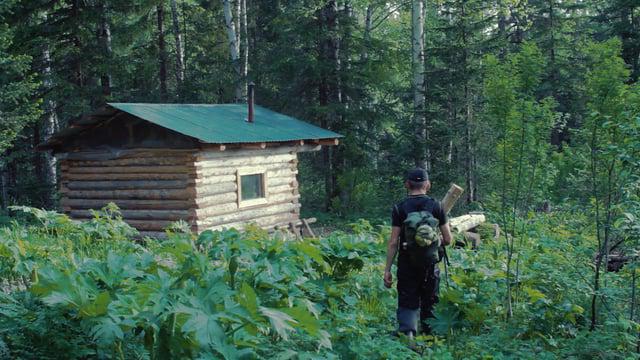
column 234, row 46
column 162, row 53
column 49, row 127
column 178, row 39
column 364, row 56
column 244, row 41
column 418, row 82
column 104, row 42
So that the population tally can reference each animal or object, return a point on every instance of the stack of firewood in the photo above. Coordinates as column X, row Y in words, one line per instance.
column 466, row 224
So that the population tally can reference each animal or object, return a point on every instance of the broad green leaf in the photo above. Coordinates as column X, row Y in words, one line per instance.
column 280, row 321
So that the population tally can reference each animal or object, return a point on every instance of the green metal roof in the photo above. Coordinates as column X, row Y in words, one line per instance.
column 226, row 123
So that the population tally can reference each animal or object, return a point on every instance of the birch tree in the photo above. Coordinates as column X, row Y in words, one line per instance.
column 233, row 26
column 418, row 82
column 179, row 47
column 162, row 54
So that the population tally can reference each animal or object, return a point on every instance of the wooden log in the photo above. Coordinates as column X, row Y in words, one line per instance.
column 266, row 222
column 306, row 229
column 204, row 154
column 280, row 188
column 248, row 214
column 283, row 180
column 203, row 201
column 229, row 208
column 128, row 204
column 466, row 222
column 169, row 215
column 209, row 180
column 246, row 161
column 327, row 142
column 215, row 189
column 128, row 184
column 141, row 161
column 260, row 145
column 156, row 194
column 100, row 155
column 153, row 234
column 282, row 172
column 472, row 238
column 451, row 197
column 67, row 176
column 147, row 225
column 132, row 169
column 203, row 173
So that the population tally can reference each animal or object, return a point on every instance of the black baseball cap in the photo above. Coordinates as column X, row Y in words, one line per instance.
column 417, row 175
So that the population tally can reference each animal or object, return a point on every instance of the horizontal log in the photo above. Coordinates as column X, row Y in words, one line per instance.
column 143, row 161
column 67, row 176
column 158, row 194
column 328, row 142
column 234, row 153
column 129, row 204
column 215, row 189
column 280, row 189
column 129, row 184
column 282, row 180
column 168, row 215
column 266, row 222
column 282, row 172
column 203, row 201
column 229, row 208
column 246, row 161
column 217, row 179
column 248, row 214
column 132, row 169
column 153, row 234
column 231, row 170
column 466, row 222
column 149, row 225
column 100, row 155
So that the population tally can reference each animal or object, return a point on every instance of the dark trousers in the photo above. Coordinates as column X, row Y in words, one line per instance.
column 417, row 294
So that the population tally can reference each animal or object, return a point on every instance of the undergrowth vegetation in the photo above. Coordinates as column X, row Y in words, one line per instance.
column 89, row 290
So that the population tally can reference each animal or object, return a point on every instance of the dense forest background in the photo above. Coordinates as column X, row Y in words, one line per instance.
column 504, row 97
column 532, row 106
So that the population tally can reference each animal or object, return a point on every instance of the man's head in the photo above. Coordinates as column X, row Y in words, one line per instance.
column 417, row 180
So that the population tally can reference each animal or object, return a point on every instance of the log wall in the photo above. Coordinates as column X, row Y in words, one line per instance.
column 153, row 188
column 216, row 188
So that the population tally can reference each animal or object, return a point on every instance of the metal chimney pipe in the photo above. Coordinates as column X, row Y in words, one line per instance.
column 250, row 99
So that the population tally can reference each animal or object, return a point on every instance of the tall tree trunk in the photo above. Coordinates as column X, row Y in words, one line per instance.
column 77, row 63
column 244, row 42
column 418, row 83
column 234, row 47
column 330, row 93
column 4, row 193
column 104, row 42
column 368, row 23
column 49, row 127
column 162, row 54
column 179, row 48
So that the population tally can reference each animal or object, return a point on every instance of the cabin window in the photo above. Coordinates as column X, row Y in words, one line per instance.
column 251, row 187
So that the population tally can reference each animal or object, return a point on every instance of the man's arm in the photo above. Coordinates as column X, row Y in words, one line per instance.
column 446, row 234
column 392, row 249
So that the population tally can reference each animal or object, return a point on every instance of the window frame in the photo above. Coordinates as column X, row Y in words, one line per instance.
column 251, row 171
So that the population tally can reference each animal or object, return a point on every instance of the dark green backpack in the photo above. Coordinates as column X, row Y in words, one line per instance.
column 421, row 239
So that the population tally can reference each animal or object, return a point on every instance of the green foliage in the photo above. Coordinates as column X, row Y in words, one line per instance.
column 246, row 294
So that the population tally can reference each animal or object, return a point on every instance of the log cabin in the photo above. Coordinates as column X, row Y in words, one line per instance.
column 214, row 166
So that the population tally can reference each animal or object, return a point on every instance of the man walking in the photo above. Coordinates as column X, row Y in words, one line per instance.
column 418, row 272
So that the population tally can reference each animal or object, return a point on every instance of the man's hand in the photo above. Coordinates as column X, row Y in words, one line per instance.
column 388, row 279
